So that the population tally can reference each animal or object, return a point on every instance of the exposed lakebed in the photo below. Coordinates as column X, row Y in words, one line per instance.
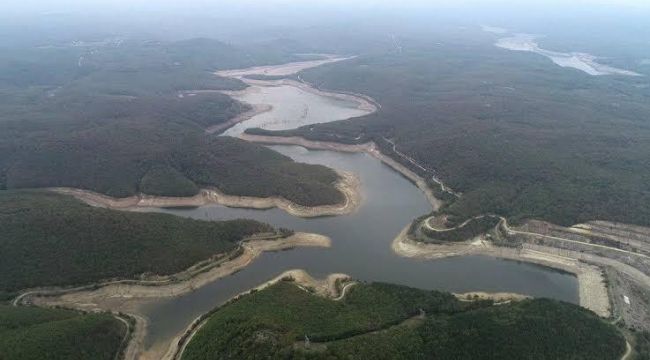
column 361, row 244
column 577, row 60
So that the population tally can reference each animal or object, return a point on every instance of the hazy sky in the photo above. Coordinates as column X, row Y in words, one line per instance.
column 49, row 5
column 522, row 15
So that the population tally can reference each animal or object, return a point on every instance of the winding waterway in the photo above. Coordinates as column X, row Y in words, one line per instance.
column 361, row 241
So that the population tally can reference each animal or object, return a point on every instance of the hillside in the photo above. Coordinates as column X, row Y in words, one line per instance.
column 49, row 239
column 516, row 134
column 122, row 158
column 29, row 333
column 382, row 321
column 129, row 119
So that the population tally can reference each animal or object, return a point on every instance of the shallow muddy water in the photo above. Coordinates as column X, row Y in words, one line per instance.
column 292, row 108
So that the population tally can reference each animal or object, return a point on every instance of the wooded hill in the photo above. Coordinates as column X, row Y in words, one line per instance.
column 382, row 321
column 48, row 239
column 518, row 135
column 116, row 123
column 31, row 333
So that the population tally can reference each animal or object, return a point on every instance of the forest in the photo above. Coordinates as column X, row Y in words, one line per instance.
column 517, row 135
column 31, row 333
column 642, row 345
column 130, row 118
column 48, row 239
column 383, row 321
column 468, row 231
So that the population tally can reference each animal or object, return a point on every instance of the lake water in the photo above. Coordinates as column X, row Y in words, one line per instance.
column 361, row 242
column 304, row 108
column 360, row 248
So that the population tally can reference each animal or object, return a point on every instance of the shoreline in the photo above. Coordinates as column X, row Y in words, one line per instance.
column 247, row 115
column 187, row 280
column 592, row 289
column 281, row 69
column 590, row 275
column 580, row 61
column 123, row 297
column 364, row 102
column 322, row 287
column 369, row 148
column 348, row 184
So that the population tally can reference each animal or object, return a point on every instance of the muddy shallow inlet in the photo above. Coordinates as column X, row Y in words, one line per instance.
column 292, row 107
column 361, row 248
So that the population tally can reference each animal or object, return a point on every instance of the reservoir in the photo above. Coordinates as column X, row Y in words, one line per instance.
column 361, row 242
column 361, row 247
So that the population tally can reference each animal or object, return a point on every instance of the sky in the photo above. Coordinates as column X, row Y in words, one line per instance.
column 51, row 5
column 525, row 15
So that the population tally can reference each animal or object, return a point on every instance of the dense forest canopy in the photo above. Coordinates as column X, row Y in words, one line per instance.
column 48, row 239
column 516, row 134
column 127, row 117
column 30, row 333
column 382, row 321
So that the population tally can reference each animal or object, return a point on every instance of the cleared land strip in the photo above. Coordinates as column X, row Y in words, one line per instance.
column 510, row 230
column 504, row 224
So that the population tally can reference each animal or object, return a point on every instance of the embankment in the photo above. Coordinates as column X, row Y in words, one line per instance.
column 591, row 284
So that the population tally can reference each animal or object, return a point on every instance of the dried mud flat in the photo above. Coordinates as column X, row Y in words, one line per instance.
column 365, row 103
column 348, row 184
column 282, row 69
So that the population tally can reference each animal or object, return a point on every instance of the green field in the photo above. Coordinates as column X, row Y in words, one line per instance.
column 30, row 333
column 48, row 239
column 517, row 135
column 380, row 321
